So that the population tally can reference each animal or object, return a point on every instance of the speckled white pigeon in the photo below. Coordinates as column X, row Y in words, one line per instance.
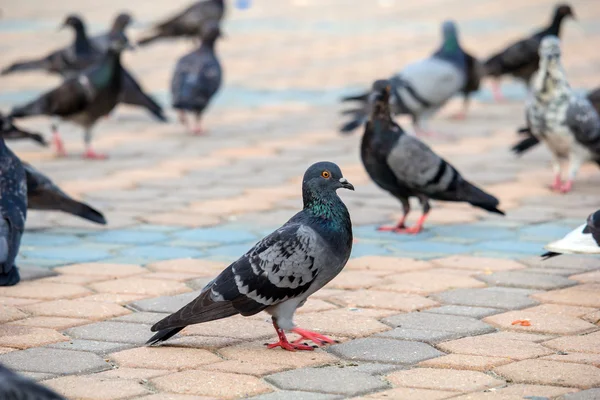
column 565, row 121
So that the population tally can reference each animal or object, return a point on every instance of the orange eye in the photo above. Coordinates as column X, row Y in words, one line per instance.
column 325, row 174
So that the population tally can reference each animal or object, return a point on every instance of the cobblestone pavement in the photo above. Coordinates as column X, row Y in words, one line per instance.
column 420, row 317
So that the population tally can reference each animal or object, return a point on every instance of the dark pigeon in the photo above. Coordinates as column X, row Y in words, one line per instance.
column 406, row 167
column 197, row 78
column 83, row 99
column 424, row 86
column 13, row 211
column 521, row 59
column 64, row 61
column 282, row 270
column 188, row 23
column 43, row 194
column 18, row 387
column 584, row 239
column 9, row 131
column 120, row 24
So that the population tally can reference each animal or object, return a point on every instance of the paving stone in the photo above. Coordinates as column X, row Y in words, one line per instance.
column 371, row 368
column 165, row 304
column 579, row 358
column 533, row 391
column 9, row 313
column 85, row 387
column 590, row 394
column 493, row 297
column 541, row 323
column 589, row 277
column 57, row 323
column 483, row 264
column 37, row 376
column 334, row 322
column 131, row 373
column 76, row 309
column 44, row 291
column 319, row 380
column 211, row 383
column 354, row 280
column 569, row 261
column 526, row 280
column 120, row 332
column 428, row 281
column 54, row 361
column 246, row 368
column 204, row 342
column 443, row 379
column 135, row 285
column 561, row 309
column 465, row 311
column 494, row 347
column 171, row 396
column 386, row 300
column 198, row 267
column 254, row 352
column 410, row 393
column 92, row 346
column 528, row 337
column 581, row 344
column 391, row 264
column 102, row 270
column 587, row 295
column 164, row 358
column 464, row 361
column 542, row 372
column 456, row 325
column 23, row 337
column 385, row 351
column 296, row 395
column 148, row 318
column 419, row 335
column 31, row 273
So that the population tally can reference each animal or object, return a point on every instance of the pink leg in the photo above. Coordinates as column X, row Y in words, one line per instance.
column 496, row 90
column 283, row 342
column 557, row 184
column 58, row 143
column 566, row 187
column 314, row 337
column 418, row 227
column 90, row 154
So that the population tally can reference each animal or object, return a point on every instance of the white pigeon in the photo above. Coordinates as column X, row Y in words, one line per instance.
column 584, row 239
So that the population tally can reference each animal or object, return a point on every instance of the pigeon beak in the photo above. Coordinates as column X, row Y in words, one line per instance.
column 346, row 185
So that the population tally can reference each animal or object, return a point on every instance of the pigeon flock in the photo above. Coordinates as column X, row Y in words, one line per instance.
column 283, row 269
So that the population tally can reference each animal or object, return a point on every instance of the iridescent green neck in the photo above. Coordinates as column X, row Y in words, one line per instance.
column 325, row 207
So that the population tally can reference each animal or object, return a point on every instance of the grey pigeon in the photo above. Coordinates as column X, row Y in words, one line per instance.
column 18, row 387
column 8, row 130
column 83, row 99
column 424, row 86
column 281, row 271
column 197, row 78
column 13, row 211
column 188, row 23
column 521, row 59
column 565, row 121
column 584, row 239
column 43, row 194
column 406, row 167
column 63, row 61
column 120, row 24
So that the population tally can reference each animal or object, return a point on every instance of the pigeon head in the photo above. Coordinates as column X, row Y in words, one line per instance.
column 73, row 21
column 324, row 178
column 380, row 99
column 210, row 32
column 563, row 11
column 121, row 22
column 593, row 221
column 118, row 42
column 550, row 48
column 449, row 31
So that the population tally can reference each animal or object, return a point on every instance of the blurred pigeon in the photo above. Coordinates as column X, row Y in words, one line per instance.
column 406, row 167
column 13, row 211
column 424, row 86
column 521, row 59
column 83, row 99
column 63, row 61
column 8, row 130
column 530, row 141
column 120, row 24
column 282, row 270
column 18, row 387
column 197, row 78
column 565, row 121
column 43, row 194
column 189, row 22
column 584, row 239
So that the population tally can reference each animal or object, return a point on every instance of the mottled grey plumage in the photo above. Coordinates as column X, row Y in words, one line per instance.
column 279, row 273
column 188, row 23
column 18, row 387
column 9, row 131
column 565, row 121
column 13, row 211
column 43, row 194
column 406, row 167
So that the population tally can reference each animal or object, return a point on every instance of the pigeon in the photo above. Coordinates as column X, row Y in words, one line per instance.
column 64, row 61
column 102, row 42
column 189, row 22
column 8, row 130
column 565, row 121
column 584, row 239
column 530, row 141
column 82, row 99
column 43, row 194
column 197, row 78
column 424, row 86
column 406, row 167
column 521, row 59
column 18, row 387
column 281, row 271
column 13, row 211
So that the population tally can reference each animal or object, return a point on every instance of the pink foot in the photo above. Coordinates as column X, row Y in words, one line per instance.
column 198, row 132
column 413, row 230
column 290, row 346
column 459, row 116
column 391, row 228
column 566, row 187
column 92, row 155
column 59, row 145
column 314, row 337
column 556, row 185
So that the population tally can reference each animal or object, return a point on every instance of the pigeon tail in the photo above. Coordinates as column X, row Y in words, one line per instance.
column 33, row 108
column 82, row 210
column 478, row 198
column 24, row 66
column 364, row 97
column 148, row 39
column 163, row 335
column 349, row 127
column 524, row 145
column 133, row 94
column 549, row 254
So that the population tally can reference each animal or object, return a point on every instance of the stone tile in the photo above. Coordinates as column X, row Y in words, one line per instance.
column 385, row 350
column 235, row 327
column 147, row 318
column 296, row 395
column 31, row 273
column 593, row 317
column 541, row 323
column 188, row 265
column 54, row 361
column 527, row 337
column 457, row 325
column 204, row 342
column 579, row 358
column 255, row 352
column 410, row 393
column 464, row 361
column 165, row 304
column 465, row 311
column 57, row 323
column 316, row 305
column 334, row 322
column 173, row 358
column 420, row 335
column 23, row 337
column 429, row 281
column 120, row 332
column 587, row 295
column 561, row 309
column 15, row 301
column 589, row 277
column 353, row 280
column 44, row 290
column 10, row 313
column 526, row 280
column 494, row 347
column 581, row 344
column 505, row 298
column 482, row 264
column 4, row 350
column 37, row 376
column 131, row 373
column 171, row 396
column 246, row 368
column 76, row 309
column 151, row 287
column 589, row 394
column 108, row 271
column 542, row 372
column 85, row 387
column 387, row 264
column 350, row 383
column 387, row 300
column 113, row 298
column 570, row 261
column 534, row 391
column 211, row 383
column 443, row 379
column 92, row 346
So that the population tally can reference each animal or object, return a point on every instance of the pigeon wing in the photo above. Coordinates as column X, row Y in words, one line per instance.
column 583, row 120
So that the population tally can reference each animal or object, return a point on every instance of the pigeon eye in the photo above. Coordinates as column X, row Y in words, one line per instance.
column 325, row 174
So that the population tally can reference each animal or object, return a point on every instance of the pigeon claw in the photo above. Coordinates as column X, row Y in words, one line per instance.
column 413, row 230
column 391, row 228
column 284, row 344
column 92, row 155
column 566, row 187
column 314, row 337
column 557, row 184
